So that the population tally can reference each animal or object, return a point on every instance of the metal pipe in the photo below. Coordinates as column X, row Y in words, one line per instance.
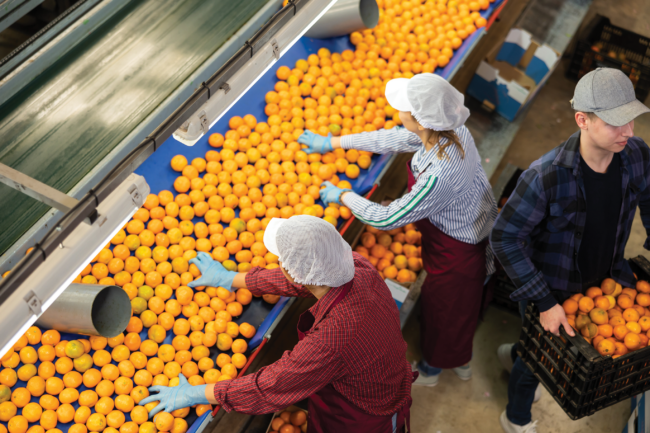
column 92, row 309
column 345, row 17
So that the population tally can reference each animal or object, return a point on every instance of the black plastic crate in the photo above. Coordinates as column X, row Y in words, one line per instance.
column 504, row 287
column 608, row 46
column 580, row 379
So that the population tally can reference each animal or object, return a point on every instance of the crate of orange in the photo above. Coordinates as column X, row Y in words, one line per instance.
column 291, row 420
column 396, row 253
column 608, row 360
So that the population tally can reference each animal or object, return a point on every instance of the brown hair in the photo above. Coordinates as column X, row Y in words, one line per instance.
column 590, row 115
column 452, row 139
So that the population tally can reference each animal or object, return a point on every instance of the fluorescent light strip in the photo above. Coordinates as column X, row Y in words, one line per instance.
column 302, row 33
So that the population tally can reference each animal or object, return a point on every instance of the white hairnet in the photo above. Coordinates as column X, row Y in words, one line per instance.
column 430, row 99
column 311, row 250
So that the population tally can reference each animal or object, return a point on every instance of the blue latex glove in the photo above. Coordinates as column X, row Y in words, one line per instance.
column 317, row 143
column 213, row 273
column 331, row 194
column 175, row 397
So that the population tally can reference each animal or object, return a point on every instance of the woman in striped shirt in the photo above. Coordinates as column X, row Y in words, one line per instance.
column 449, row 199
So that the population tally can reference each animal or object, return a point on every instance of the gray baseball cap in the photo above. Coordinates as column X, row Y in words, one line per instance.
column 609, row 94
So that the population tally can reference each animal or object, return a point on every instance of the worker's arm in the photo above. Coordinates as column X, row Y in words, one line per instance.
column 394, row 140
column 259, row 281
column 382, row 141
column 525, row 209
column 297, row 375
column 428, row 196
column 262, row 281
column 644, row 196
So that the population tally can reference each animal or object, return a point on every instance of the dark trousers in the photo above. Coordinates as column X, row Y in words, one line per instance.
column 523, row 383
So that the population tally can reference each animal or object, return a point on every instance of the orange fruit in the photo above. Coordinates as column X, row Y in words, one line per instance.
column 81, row 415
column 18, row 424
column 8, row 410
column 51, row 337
column 164, row 421
column 593, row 292
column 643, row 299
column 115, row 419
column 624, row 301
column 644, row 323
column 35, row 386
column 605, row 330
column 620, row 331
column 46, row 353
column 585, row 304
column 129, row 427
column 105, row 388
column 32, row 412
column 632, row 341
column 26, row 372
column 239, row 346
column 589, row 331
column 643, row 286
column 69, row 395
column 601, row 302
column 20, row 397
column 104, row 405
column 570, row 306
column 606, row 347
column 49, row 419
column 96, row 422
column 629, row 292
column 65, row 413
column 54, row 386
column 47, row 402
column 599, row 316
column 631, row 315
column 248, row 330
column 634, row 327
column 88, row 398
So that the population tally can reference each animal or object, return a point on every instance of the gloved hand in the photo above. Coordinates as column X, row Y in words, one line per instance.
column 331, row 194
column 213, row 273
column 175, row 397
column 317, row 143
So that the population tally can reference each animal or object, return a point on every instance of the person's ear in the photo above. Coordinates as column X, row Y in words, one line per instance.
column 420, row 128
column 581, row 120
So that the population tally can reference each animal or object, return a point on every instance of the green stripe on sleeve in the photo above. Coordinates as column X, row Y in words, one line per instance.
column 406, row 209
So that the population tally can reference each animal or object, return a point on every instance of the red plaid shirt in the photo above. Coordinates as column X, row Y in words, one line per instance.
column 358, row 348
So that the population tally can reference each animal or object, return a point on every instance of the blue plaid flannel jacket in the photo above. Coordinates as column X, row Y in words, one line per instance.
column 537, row 235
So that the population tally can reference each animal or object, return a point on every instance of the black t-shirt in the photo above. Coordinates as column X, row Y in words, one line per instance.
column 603, row 197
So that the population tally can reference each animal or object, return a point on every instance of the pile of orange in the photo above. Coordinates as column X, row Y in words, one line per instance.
column 615, row 320
column 289, row 422
column 395, row 253
column 96, row 383
column 116, row 372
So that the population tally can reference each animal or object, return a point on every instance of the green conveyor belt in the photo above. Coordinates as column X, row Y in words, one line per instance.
column 61, row 125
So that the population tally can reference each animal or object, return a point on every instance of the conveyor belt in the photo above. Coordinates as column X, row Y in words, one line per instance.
column 61, row 125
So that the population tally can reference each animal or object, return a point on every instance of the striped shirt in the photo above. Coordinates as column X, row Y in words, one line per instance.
column 454, row 194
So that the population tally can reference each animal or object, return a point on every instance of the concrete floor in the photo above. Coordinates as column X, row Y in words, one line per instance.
column 474, row 406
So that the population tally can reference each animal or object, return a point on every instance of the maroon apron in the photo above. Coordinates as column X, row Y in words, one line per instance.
column 330, row 411
column 451, row 295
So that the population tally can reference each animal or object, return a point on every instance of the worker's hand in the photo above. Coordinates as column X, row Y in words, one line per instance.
column 316, row 143
column 552, row 318
column 175, row 397
column 331, row 194
column 213, row 273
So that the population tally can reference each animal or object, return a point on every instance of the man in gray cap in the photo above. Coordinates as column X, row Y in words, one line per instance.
column 565, row 226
